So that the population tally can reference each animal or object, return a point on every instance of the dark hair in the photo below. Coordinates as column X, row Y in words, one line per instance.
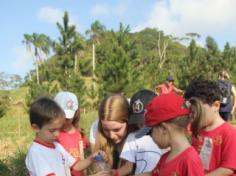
column 199, row 92
column 43, row 111
column 205, row 90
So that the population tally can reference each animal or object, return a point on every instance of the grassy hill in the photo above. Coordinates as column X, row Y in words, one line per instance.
column 16, row 134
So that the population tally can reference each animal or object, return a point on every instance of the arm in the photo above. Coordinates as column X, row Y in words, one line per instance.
column 233, row 90
column 126, row 169
column 145, row 174
column 83, row 164
column 221, row 171
column 158, row 90
column 178, row 91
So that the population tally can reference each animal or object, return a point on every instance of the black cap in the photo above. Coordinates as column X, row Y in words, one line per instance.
column 138, row 103
column 169, row 78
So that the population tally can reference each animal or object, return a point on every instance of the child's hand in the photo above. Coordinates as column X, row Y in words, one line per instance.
column 103, row 173
column 102, row 153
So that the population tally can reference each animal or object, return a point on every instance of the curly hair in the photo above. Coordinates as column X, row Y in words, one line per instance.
column 199, row 92
column 205, row 90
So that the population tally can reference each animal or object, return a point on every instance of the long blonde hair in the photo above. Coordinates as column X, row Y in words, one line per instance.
column 112, row 108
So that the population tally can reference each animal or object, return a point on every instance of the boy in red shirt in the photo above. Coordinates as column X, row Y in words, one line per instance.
column 214, row 139
column 168, row 116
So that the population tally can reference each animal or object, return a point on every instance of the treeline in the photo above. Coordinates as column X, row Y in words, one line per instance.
column 107, row 61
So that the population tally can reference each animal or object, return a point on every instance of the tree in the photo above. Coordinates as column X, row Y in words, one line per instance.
column 41, row 47
column 70, row 44
column 95, row 33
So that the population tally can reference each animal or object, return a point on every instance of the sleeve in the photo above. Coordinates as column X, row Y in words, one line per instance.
column 37, row 165
column 229, row 149
column 129, row 149
column 93, row 132
column 68, row 158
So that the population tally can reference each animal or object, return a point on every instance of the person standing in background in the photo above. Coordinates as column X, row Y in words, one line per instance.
column 227, row 106
column 168, row 87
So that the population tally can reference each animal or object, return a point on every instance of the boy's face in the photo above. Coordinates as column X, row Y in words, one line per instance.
column 160, row 137
column 49, row 132
column 208, row 113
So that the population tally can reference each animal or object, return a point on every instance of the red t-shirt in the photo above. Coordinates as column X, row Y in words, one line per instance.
column 74, row 144
column 164, row 89
column 217, row 148
column 187, row 163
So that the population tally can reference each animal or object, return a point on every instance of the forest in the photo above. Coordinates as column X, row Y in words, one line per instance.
column 105, row 61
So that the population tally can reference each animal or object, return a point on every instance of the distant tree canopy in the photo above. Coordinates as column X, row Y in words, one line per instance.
column 125, row 61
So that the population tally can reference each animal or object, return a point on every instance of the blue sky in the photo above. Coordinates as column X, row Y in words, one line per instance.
column 177, row 17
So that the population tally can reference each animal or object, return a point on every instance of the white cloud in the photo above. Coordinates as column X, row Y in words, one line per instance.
column 108, row 10
column 206, row 17
column 54, row 15
column 50, row 15
column 100, row 10
column 23, row 61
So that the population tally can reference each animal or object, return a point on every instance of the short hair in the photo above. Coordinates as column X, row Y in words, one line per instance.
column 43, row 111
column 205, row 90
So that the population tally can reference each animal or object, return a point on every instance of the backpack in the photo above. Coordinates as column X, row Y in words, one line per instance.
column 225, row 90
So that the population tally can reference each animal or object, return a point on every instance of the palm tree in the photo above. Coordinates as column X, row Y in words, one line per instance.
column 95, row 33
column 41, row 47
column 70, row 41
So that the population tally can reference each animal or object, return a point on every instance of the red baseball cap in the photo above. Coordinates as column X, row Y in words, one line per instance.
column 163, row 108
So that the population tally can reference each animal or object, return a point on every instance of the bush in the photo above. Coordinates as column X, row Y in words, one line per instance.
column 4, row 103
column 13, row 166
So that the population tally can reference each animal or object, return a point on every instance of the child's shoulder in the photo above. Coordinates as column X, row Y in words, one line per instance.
column 226, row 129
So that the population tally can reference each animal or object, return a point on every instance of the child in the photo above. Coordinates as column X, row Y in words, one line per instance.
column 216, row 141
column 166, row 118
column 141, row 154
column 71, row 137
column 45, row 156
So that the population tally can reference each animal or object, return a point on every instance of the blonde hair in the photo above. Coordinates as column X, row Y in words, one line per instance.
column 112, row 108
column 224, row 74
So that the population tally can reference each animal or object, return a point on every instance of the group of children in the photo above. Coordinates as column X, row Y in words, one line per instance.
column 161, row 123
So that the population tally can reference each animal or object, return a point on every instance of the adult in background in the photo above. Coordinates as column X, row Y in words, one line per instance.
column 168, row 87
column 227, row 106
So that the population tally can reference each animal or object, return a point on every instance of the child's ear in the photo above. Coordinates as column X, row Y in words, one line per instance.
column 216, row 104
column 35, row 127
column 164, row 127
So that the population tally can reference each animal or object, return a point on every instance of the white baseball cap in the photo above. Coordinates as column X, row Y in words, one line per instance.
column 68, row 102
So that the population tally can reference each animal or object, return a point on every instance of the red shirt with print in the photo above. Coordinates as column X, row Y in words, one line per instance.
column 187, row 163
column 217, row 148
column 74, row 143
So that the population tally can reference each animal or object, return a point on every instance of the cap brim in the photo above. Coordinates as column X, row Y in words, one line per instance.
column 136, row 119
column 69, row 114
column 143, row 131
